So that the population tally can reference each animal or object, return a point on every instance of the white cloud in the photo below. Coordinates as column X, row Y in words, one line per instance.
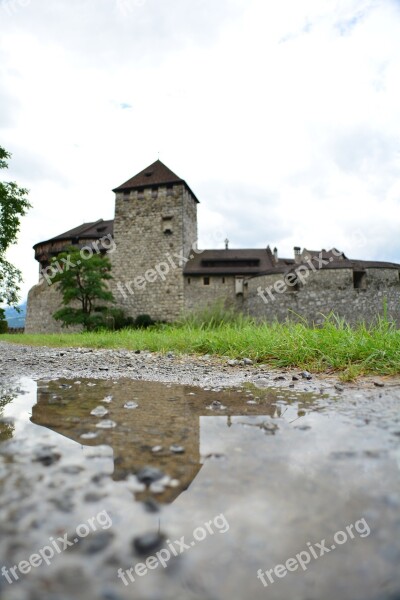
column 283, row 117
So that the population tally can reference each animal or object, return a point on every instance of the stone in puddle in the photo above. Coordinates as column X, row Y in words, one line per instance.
column 99, row 411
column 107, row 399
column 148, row 475
column 151, row 505
column 148, row 543
column 177, row 449
column 269, row 428
column 216, row 405
column 107, row 424
column 131, row 405
column 156, row 449
column 89, row 436
column 46, row 456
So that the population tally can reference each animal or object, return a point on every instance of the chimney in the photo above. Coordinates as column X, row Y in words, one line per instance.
column 297, row 254
column 276, row 254
column 226, row 244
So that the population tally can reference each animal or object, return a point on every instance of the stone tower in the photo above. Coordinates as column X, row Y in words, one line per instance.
column 155, row 228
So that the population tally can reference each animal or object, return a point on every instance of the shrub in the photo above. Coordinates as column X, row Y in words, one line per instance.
column 3, row 322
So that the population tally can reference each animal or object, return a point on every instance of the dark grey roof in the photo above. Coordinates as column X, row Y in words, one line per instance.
column 94, row 230
column 155, row 175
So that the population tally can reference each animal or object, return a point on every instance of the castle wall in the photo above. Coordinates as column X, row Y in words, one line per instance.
column 153, row 232
column 43, row 301
column 324, row 292
column 199, row 296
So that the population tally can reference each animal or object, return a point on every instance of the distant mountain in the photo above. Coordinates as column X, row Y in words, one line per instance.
column 16, row 319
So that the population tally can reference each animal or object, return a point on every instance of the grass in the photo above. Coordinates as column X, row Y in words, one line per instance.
column 332, row 347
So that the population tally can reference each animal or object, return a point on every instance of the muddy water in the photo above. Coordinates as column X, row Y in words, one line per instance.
column 286, row 470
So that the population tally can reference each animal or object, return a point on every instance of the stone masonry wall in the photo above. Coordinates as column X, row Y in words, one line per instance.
column 43, row 301
column 199, row 296
column 327, row 291
column 147, row 263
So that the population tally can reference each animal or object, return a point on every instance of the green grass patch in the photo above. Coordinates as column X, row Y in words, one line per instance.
column 334, row 346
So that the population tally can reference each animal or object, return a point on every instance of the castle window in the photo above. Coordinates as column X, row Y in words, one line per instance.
column 127, row 192
column 167, row 231
column 223, row 280
column 188, row 280
column 141, row 193
column 170, row 189
column 206, row 280
column 360, row 280
column 154, row 192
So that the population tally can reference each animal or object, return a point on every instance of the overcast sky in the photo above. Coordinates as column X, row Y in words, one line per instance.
column 282, row 115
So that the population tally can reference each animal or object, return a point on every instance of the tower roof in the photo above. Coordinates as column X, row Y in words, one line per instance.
column 154, row 175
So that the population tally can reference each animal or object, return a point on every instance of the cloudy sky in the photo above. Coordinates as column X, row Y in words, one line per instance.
column 283, row 116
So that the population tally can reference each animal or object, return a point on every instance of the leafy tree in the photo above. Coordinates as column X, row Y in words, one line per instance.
column 13, row 206
column 3, row 322
column 83, row 281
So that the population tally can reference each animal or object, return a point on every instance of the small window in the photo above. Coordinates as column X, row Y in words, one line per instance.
column 154, row 192
column 167, row 231
column 223, row 280
column 170, row 189
column 127, row 192
column 188, row 280
column 206, row 280
column 149, row 173
column 359, row 280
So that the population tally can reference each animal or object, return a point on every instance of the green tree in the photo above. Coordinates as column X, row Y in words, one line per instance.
column 3, row 322
column 82, row 281
column 13, row 206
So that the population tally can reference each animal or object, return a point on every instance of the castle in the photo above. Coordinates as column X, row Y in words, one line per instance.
column 158, row 270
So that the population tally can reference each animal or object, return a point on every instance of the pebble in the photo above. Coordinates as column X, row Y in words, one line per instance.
column 149, row 475
column 247, row 361
column 107, row 399
column 46, row 456
column 99, row 411
column 306, row 375
column 131, row 405
column 216, row 405
column 91, row 435
column 339, row 387
column 156, row 449
column 148, row 543
column 379, row 384
column 177, row 449
column 107, row 424
column 95, row 543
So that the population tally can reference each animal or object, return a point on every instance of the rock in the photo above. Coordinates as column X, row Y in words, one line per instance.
column 107, row 424
column 107, row 399
column 294, row 378
column 339, row 387
column 279, row 378
column 170, row 355
column 47, row 456
column 148, row 475
column 103, row 369
column 379, row 384
column 91, row 435
column 306, row 375
column 137, row 351
column 177, row 449
column 95, row 543
column 232, row 363
column 151, row 506
column 216, row 405
column 247, row 361
column 131, row 405
column 156, row 449
column 269, row 428
column 99, row 411
column 146, row 544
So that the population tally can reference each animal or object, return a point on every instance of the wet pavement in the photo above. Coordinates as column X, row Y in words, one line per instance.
column 219, row 485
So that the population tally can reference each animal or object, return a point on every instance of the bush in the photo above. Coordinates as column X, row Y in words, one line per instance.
column 143, row 322
column 3, row 322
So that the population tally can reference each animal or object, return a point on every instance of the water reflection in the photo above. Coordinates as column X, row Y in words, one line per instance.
column 169, row 427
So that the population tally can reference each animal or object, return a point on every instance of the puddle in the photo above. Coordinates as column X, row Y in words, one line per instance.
column 287, row 469
column 172, row 428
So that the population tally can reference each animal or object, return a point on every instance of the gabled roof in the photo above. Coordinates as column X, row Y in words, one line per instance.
column 94, row 230
column 230, row 262
column 154, row 175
